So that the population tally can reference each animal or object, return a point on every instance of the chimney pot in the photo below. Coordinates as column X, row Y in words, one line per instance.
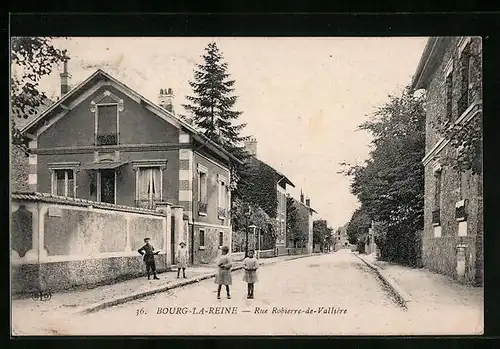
column 251, row 146
column 165, row 99
column 65, row 79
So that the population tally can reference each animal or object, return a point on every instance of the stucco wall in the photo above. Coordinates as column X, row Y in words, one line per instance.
column 210, row 251
column 83, row 245
column 19, row 169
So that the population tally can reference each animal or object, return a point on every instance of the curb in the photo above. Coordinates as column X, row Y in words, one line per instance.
column 401, row 295
column 131, row 297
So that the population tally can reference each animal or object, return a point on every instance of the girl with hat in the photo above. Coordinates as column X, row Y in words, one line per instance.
column 182, row 258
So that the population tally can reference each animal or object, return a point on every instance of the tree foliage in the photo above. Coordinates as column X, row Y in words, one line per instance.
column 358, row 226
column 211, row 108
column 31, row 59
column 259, row 186
column 246, row 214
column 390, row 185
column 322, row 235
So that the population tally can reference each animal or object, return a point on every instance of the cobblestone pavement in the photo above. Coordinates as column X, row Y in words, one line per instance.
column 345, row 296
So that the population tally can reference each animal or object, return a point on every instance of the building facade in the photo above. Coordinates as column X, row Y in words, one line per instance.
column 304, row 224
column 452, row 241
column 267, row 188
column 104, row 142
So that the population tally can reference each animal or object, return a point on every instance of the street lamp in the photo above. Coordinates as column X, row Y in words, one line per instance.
column 258, row 253
column 253, row 227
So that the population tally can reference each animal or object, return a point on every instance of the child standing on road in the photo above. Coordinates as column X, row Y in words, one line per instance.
column 148, row 251
column 250, row 264
column 223, row 276
column 182, row 258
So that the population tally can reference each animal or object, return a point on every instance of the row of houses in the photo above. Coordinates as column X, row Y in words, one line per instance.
column 106, row 167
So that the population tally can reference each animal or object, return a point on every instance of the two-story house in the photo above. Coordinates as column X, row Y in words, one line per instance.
column 103, row 141
column 268, row 188
column 452, row 241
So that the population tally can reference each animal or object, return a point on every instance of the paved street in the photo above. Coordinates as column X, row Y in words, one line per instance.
column 338, row 282
column 344, row 295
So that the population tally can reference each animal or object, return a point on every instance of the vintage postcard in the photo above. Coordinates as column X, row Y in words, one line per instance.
column 246, row 186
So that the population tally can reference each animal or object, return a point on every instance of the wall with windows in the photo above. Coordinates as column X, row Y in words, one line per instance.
column 132, row 182
column 207, row 242
column 452, row 236
column 211, row 193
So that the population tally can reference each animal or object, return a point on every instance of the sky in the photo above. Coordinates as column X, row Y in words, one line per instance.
column 302, row 98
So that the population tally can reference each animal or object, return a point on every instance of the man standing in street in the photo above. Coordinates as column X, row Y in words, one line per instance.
column 148, row 251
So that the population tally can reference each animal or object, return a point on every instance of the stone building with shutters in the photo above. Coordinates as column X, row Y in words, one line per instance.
column 103, row 142
column 452, row 240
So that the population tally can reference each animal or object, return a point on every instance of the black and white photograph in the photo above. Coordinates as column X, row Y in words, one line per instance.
column 229, row 185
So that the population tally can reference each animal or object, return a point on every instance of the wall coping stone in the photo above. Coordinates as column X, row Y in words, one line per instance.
column 54, row 199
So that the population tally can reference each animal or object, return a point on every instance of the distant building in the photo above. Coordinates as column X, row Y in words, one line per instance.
column 304, row 223
column 340, row 238
column 452, row 241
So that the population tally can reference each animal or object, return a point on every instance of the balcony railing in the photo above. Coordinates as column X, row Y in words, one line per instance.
column 202, row 207
column 221, row 212
column 436, row 217
column 147, row 204
column 107, row 139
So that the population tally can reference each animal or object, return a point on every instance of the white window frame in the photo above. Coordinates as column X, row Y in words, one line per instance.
column 202, row 170
column 94, row 107
column 64, row 166
column 138, row 165
column 222, row 189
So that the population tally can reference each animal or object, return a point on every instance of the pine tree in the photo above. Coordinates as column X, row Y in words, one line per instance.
column 211, row 108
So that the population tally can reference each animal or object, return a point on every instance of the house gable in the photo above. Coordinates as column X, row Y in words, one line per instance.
column 76, row 127
column 95, row 82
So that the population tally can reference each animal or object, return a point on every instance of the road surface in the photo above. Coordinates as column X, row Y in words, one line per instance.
column 334, row 294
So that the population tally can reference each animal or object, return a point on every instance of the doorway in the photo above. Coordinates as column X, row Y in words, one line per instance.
column 107, row 187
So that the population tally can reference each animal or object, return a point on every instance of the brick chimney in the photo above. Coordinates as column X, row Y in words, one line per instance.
column 251, row 146
column 65, row 79
column 308, row 202
column 301, row 197
column 165, row 99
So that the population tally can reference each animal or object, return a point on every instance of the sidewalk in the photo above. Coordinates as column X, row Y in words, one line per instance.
column 109, row 295
column 435, row 296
